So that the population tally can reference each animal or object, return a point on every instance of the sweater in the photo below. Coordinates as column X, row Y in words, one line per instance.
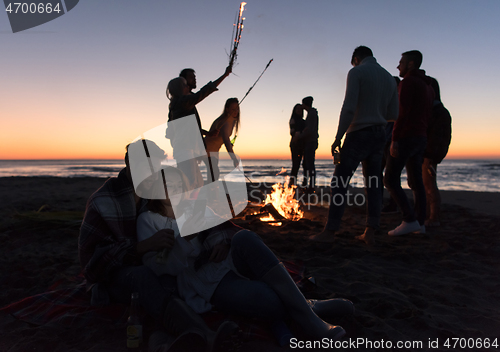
column 371, row 98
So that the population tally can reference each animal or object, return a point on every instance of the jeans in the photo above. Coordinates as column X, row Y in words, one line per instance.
column 297, row 151
column 249, row 297
column 308, row 164
column 154, row 291
column 365, row 146
column 410, row 153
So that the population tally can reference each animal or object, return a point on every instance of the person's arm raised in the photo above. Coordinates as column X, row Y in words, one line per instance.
column 189, row 101
column 219, row 80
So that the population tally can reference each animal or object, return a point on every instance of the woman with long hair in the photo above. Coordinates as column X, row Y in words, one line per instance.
column 220, row 133
column 297, row 125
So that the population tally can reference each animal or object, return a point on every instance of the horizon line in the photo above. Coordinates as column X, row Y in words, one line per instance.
column 458, row 157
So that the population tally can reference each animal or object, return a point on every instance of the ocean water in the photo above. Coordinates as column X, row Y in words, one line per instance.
column 464, row 175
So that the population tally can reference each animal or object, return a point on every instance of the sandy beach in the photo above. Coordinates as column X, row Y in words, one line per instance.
column 427, row 287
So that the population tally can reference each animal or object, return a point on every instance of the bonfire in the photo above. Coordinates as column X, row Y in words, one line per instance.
column 281, row 203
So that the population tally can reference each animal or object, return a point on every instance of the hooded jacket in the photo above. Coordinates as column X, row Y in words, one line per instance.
column 415, row 106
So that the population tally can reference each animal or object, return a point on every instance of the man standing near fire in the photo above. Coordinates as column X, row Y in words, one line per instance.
column 370, row 101
column 409, row 139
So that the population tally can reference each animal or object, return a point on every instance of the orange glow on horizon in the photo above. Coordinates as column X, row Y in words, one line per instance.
column 101, row 155
column 249, row 157
column 38, row 143
column 115, row 149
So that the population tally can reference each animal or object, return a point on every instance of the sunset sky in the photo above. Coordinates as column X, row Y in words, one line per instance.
column 89, row 82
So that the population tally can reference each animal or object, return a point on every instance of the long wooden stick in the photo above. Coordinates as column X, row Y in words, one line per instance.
column 269, row 63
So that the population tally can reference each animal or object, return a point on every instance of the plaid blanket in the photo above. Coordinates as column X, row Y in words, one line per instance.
column 71, row 308
column 65, row 307
column 108, row 233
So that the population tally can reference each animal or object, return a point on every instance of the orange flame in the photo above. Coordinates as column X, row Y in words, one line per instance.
column 283, row 170
column 282, row 199
column 242, row 7
column 270, row 218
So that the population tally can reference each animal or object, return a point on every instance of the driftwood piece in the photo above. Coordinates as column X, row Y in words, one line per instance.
column 269, row 208
column 254, row 216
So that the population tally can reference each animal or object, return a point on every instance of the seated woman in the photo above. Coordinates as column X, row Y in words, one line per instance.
column 226, row 267
column 220, row 132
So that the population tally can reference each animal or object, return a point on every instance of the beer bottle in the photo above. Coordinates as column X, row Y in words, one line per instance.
column 134, row 325
column 336, row 156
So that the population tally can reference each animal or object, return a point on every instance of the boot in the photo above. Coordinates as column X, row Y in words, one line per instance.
column 304, row 182
column 192, row 341
column 179, row 318
column 280, row 281
column 335, row 307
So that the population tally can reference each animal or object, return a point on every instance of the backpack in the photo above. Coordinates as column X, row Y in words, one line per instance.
column 438, row 134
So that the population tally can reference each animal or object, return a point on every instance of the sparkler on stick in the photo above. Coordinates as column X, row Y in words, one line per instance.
column 269, row 63
column 237, row 29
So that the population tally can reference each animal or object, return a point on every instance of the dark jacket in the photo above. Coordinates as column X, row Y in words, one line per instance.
column 415, row 106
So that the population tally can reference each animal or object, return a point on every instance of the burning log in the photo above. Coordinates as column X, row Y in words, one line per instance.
column 279, row 206
column 269, row 208
column 251, row 217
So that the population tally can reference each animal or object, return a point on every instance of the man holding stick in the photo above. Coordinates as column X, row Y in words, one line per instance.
column 189, row 75
column 186, row 135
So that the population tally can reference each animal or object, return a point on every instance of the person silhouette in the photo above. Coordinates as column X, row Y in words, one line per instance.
column 220, row 132
column 297, row 125
column 309, row 136
column 370, row 101
column 186, row 142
